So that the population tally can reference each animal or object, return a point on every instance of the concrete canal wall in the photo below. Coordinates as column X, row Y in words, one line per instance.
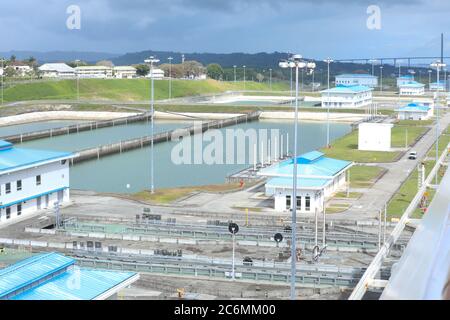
column 137, row 143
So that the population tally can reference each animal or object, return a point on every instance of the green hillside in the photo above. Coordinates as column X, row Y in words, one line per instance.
column 125, row 89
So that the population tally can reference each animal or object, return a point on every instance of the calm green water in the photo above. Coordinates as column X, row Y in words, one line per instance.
column 130, row 171
column 89, row 139
column 30, row 127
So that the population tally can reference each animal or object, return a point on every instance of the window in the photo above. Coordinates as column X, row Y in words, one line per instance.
column 8, row 212
column 19, row 209
column 299, row 203
column 288, row 202
column 8, row 188
column 38, row 180
column 19, row 185
column 308, row 203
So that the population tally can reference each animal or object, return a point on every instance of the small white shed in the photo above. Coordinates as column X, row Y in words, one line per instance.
column 375, row 136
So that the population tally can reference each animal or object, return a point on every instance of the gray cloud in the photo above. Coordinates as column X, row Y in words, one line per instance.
column 312, row 27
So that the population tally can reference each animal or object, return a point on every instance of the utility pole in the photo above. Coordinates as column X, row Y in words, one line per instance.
column 170, row 76
column 2, row 75
column 328, row 61
column 151, row 61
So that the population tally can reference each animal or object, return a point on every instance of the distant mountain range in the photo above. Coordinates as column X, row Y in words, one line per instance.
column 259, row 61
column 60, row 56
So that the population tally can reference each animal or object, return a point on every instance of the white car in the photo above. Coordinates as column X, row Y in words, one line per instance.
column 412, row 155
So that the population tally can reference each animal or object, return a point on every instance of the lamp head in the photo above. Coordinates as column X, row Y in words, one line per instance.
column 297, row 57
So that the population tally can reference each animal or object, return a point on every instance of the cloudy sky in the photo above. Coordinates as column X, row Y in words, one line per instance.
column 315, row 28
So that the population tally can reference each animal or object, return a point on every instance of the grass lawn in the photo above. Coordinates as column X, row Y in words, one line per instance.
column 125, row 89
column 407, row 192
column 164, row 196
column 337, row 208
column 346, row 148
column 399, row 135
column 364, row 176
column 414, row 123
column 352, row 195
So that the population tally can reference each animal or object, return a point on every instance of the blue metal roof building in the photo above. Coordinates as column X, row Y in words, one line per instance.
column 414, row 107
column 12, row 158
column 313, row 164
column 357, row 79
column 318, row 177
column 340, row 88
column 52, row 276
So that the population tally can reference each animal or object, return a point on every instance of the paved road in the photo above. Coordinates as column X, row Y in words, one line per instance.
column 381, row 192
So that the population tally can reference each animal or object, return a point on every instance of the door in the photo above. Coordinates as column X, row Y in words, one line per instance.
column 38, row 203
column 60, row 196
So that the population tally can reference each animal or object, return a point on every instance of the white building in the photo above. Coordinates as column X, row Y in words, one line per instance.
column 356, row 79
column 31, row 180
column 374, row 136
column 404, row 79
column 347, row 97
column 124, row 72
column 95, row 72
column 57, row 70
column 21, row 68
column 439, row 86
column 412, row 88
column 157, row 74
column 415, row 111
column 319, row 178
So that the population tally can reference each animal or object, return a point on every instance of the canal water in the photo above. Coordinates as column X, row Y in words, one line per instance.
column 130, row 172
column 35, row 126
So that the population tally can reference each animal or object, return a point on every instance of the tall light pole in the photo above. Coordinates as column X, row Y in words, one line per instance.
column 151, row 61
column 244, row 76
column 78, row 79
column 297, row 63
column 270, row 72
column 234, row 69
column 429, row 79
column 170, row 76
column 328, row 61
column 373, row 65
column 381, row 78
column 2, row 75
column 438, row 65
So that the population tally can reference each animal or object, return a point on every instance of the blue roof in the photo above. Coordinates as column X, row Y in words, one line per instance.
column 311, row 164
column 412, row 84
column 12, row 158
column 31, row 270
column 303, row 183
column 340, row 88
column 355, row 75
column 76, row 284
column 408, row 76
column 52, row 276
column 414, row 107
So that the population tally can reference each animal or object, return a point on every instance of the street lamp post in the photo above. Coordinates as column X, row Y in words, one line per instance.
column 381, row 78
column 234, row 67
column 270, row 77
column 151, row 61
column 373, row 65
column 438, row 65
column 2, row 75
column 78, row 80
column 170, row 76
column 297, row 63
column 328, row 61
column 429, row 79
column 244, row 76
